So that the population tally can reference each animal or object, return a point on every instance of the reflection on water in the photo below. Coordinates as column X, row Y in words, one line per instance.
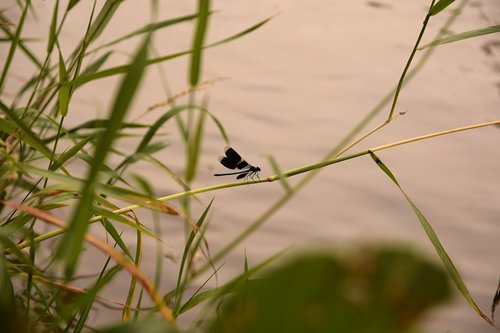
column 296, row 87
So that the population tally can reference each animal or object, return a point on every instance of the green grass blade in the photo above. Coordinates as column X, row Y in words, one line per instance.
column 97, row 64
column 64, row 88
column 148, row 28
column 133, row 282
column 194, row 147
column 69, row 153
column 277, row 170
column 70, row 246
column 441, row 5
column 53, row 29
column 495, row 302
column 102, row 20
column 180, row 283
column 229, row 287
column 71, row 4
column 9, row 316
column 150, row 134
column 124, row 68
column 463, row 35
column 13, row 45
column 123, row 220
column 11, row 36
column 87, row 299
column 29, row 137
column 448, row 263
column 198, row 41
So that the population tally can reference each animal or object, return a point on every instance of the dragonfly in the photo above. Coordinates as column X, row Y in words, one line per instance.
column 233, row 161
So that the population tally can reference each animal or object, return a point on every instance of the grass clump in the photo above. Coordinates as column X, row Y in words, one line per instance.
column 50, row 209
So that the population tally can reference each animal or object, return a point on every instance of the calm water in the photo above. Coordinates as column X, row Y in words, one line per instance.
column 295, row 88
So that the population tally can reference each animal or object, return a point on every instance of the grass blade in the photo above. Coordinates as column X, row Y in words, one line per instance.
column 187, row 248
column 11, row 36
column 199, row 38
column 8, row 309
column 94, row 67
column 71, row 4
column 277, row 170
column 102, row 20
column 87, row 299
column 448, row 263
column 69, row 153
column 194, row 147
column 229, row 287
column 462, row 35
column 53, row 29
column 64, row 89
column 29, row 137
column 70, row 246
column 124, row 68
column 495, row 302
column 148, row 28
column 13, row 45
column 441, row 5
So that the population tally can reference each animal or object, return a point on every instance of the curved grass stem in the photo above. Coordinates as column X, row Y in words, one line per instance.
column 289, row 173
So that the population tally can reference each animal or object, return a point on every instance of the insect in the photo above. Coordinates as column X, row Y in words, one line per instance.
column 232, row 161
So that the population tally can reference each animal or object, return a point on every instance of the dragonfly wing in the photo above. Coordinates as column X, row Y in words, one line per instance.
column 243, row 164
column 227, row 162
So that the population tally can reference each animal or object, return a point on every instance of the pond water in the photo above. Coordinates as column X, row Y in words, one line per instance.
column 293, row 89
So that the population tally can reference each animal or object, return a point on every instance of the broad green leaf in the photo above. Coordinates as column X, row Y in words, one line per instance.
column 7, row 126
column 441, row 5
column 70, row 246
column 463, row 35
column 373, row 291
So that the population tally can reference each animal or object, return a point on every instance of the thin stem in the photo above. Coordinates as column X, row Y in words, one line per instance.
column 410, row 59
column 289, row 173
